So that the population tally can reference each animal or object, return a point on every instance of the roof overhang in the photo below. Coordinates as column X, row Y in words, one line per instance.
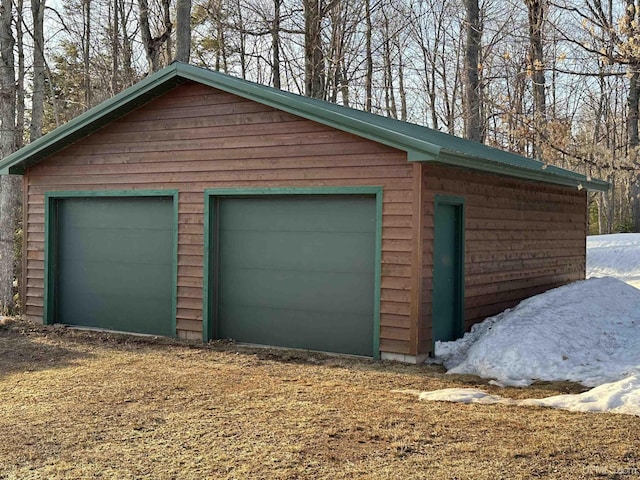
column 545, row 174
column 402, row 136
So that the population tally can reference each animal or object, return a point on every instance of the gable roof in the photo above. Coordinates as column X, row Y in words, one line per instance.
column 421, row 144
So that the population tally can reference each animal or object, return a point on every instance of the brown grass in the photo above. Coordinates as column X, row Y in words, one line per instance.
column 93, row 405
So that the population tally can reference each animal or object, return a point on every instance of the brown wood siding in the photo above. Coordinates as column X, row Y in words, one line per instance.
column 196, row 137
column 521, row 238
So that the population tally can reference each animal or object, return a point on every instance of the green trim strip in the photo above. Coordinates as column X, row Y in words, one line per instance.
column 420, row 143
column 544, row 173
column 209, row 244
column 50, row 235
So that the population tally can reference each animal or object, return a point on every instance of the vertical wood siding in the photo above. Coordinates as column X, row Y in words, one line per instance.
column 196, row 137
column 521, row 238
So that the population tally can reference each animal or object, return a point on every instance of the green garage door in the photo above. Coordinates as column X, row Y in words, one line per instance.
column 114, row 263
column 297, row 271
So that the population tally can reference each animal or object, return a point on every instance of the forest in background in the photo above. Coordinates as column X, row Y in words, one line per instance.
column 554, row 80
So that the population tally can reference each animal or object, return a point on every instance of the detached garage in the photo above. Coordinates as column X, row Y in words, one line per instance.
column 202, row 206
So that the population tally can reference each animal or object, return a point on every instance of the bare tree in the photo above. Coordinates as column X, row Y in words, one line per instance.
column 314, row 68
column 153, row 45
column 10, row 185
column 536, row 11
column 183, row 30
column 472, row 95
column 37, row 99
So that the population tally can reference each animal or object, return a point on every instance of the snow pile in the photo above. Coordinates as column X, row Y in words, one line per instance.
column 458, row 395
column 622, row 396
column 615, row 256
column 586, row 332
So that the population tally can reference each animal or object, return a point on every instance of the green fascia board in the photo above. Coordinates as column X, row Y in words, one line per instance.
column 420, row 143
column 537, row 171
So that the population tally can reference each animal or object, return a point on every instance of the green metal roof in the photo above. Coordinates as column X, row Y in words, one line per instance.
column 421, row 144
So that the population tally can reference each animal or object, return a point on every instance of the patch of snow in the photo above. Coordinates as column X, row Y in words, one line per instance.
column 458, row 395
column 622, row 396
column 587, row 332
column 616, row 255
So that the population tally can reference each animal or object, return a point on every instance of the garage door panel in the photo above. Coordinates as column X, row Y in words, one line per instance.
column 130, row 246
column 297, row 271
column 148, row 282
column 316, row 251
column 329, row 292
column 115, row 312
column 126, row 212
column 318, row 215
column 115, row 263
column 307, row 330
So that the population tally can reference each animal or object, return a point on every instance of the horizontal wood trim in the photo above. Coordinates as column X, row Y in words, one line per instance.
column 396, row 321
column 189, row 249
column 34, row 310
column 190, row 292
column 393, row 295
column 190, row 302
column 394, row 308
column 394, row 346
column 396, row 283
column 393, row 333
column 523, row 284
column 191, row 282
column 35, row 254
column 189, row 313
column 189, row 325
column 505, row 266
column 507, row 295
column 33, row 301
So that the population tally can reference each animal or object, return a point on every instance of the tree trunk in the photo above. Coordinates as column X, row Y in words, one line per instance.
column 368, row 80
column 472, row 119
column 183, row 30
column 10, row 185
column 536, row 9
column 389, row 95
column 37, row 100
column 633, row 102
column 20, row 94
column 128, row 74
column 115, row 48
column 152, row 45
column 313, row 52
column 275, row 44
column 402, row 91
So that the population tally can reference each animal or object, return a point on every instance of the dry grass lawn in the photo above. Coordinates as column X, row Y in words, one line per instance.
column 92, row 405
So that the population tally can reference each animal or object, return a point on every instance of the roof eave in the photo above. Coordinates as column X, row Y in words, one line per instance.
column 91, row 120
column 565, row 178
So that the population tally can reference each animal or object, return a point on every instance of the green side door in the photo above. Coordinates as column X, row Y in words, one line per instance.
column 114, row 261
column 296, row 271
column 448, row 271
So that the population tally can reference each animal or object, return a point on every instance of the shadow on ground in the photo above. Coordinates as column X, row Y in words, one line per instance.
column 25, row 351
